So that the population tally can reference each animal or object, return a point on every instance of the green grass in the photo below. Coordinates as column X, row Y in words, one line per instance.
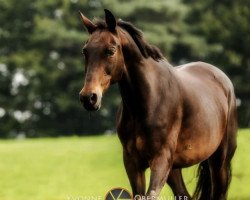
column 77, row 168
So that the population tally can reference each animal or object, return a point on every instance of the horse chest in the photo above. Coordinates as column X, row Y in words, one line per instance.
column 137, row 137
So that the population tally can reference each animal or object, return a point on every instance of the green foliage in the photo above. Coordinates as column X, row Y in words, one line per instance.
column 225, row 24
column 57, row 169
column 41, row 67
column 41, row 44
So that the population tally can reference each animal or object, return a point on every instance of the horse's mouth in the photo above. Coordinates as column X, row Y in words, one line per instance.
column 90, row 107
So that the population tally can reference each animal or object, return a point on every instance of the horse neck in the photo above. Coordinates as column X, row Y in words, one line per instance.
column 134, row 88
column 140, row 86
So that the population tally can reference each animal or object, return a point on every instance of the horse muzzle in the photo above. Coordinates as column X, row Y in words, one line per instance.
column 90, row 101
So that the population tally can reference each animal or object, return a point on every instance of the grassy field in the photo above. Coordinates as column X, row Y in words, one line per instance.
column 79, row 168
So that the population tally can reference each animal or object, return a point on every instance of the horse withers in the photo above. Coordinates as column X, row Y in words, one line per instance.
column 169, row 118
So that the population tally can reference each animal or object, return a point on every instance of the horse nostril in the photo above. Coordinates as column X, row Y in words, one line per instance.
column 89, row 101
column 93, row 98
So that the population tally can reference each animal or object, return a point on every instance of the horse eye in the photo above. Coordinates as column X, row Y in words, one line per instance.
column 110, row 52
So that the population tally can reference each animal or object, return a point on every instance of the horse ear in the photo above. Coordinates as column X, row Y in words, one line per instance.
column 87, row 23
column 110, row 20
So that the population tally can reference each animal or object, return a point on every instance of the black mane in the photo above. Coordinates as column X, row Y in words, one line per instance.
column 146, row 49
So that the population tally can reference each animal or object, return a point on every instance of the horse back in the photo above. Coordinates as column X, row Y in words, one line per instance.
column 205, row 72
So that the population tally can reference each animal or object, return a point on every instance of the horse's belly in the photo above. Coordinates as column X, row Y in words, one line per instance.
column 191, row 154
column 195, row 147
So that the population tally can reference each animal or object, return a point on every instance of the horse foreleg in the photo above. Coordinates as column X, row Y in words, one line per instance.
column 160, row 167
column 136, row 174
column 175, row 181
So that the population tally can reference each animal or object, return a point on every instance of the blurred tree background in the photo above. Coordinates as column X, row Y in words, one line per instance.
column 41, row 66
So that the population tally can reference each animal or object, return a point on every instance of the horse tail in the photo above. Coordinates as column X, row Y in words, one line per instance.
column 203, row 189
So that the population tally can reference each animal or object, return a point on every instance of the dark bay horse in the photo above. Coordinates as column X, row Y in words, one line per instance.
column 169, row 118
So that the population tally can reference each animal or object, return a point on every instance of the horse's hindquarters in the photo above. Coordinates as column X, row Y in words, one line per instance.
column 205, row 112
